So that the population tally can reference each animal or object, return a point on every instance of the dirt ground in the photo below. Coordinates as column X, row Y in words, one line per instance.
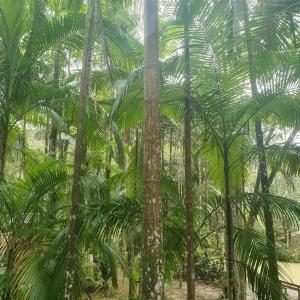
column 203, row 292
column 173, row 292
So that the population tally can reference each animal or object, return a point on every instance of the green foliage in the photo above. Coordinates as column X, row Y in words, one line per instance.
column 39, row 37
column 207, row 269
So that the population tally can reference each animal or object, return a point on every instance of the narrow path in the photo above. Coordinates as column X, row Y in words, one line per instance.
column 203, row 292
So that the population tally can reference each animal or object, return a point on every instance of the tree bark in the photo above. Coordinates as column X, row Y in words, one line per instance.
column 3, row 145
column 270, row 236
column 255, row 208
column 78, row 159
column 231, row 283
column 152, row 232
column 23, row 148
column 53, row 129
column 130, row 261
column 131, row 235
column 170, row 152
column 53, row 140
column 190, row 269
column 47, row 136
column 268, row 139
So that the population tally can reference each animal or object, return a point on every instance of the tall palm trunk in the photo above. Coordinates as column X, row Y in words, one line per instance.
column 3, row 144
column 170, row 152
column 131, row 235
column 190, row 269
column 268, row 218
column 79, row 149
column 230, row 267
column 152, row 241
column 53, row 130
column 23, row 148
column 53, row 140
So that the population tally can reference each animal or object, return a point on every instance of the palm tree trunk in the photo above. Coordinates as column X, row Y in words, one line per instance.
column 53, row 129
column 268, row 218
column 3, row 144
column 268, row 139
column 170, row 152
column 231, row 283
column 190, row 269
column 130, row 239
column 152, row 235
column 78, row 160
column 47, row 136
column 23, row 148
column 130, row 262
column 270, row 236
column 53, row 140
column 255, row 208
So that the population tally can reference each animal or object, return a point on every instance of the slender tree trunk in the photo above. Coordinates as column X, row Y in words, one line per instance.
column 231, row 283
column 54, row 133
column 255, row 208
column 152, row 234
column 3, row 144
column 162, row 150
column 190, row 269
column 130, row 239
column 268, row 139
column 76, row 190
column 268, row 218
column 170, row 152
column 23, row 147
column 53, row 129
column 130, row 261
column 47, row 136
column 53, row 140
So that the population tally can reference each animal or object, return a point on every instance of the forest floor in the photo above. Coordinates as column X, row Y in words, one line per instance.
column 173, row 292
column 204, row 291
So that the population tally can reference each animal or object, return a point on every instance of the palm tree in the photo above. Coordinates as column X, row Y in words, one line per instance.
column 263, row 171
column 202, row 82
column 152, row 243
column 190, row 272
column 79, row 148
column 20, row 56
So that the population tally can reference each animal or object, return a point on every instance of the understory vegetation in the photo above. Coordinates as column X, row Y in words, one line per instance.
column 156, row 142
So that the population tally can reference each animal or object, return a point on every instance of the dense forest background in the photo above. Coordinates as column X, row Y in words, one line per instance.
column 157, row 142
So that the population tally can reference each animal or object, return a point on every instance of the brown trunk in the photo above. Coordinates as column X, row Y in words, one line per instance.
column 130, row 261
column 3, row 144
column 152, row 235
column 53, row 141
column 269, row 227
column 190, row 272
column 23, row 148
column 255, row 208
column 47, row 136
column 76, row 190
column 170, row 152
column 53, row 129
column 230, row 266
